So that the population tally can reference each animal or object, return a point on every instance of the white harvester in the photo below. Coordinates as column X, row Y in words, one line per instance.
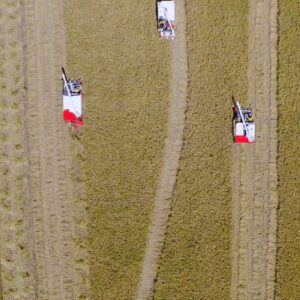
column 72, row 101
column 243, row 124
column 166, row 19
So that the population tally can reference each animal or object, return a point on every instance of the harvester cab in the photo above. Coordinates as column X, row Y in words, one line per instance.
column 72, row 101
column 243, row 124
column 166, row 19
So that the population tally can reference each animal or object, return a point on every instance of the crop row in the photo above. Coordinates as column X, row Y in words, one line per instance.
column 288, row 255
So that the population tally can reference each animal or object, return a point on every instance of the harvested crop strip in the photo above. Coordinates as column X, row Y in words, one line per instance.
column 196, row 261
column 178, row 85
column 55, row 257
column 255, row 195
column 15, row 260
column 115, row 47
column 288, row 257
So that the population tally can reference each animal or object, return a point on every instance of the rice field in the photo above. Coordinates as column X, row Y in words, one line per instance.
column 196, row 262
column 288, row 255
column 80, row 229
column 125, row 71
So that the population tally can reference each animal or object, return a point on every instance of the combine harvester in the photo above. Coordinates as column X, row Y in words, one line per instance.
column 166, row 19
column 72, row 101
column 243, row 124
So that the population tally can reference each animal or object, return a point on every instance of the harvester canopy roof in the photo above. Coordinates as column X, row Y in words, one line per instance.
column 166, row 8
column 166, row 19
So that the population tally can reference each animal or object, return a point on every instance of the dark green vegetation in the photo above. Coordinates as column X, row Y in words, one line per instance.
column 288, row 257
column 115, row 47
column 196, row 262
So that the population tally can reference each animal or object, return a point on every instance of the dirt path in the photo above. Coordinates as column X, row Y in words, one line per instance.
column 255, row 176
column 171, row 158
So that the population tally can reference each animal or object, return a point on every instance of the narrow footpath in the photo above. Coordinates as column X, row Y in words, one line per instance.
column 171, row 158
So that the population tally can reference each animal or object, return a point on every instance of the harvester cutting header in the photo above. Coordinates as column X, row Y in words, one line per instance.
column 72, row 101
column 166, row 19
column 243, row 124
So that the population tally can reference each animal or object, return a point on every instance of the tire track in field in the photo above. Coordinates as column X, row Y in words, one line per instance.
column 52, row 205
column 172, row 153
column 255, row 176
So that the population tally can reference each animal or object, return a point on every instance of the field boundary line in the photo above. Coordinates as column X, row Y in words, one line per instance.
column 172, row 152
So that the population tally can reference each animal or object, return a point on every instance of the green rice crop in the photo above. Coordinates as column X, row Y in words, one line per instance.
column 196, row 262
column 288, row 256
column 115, row 47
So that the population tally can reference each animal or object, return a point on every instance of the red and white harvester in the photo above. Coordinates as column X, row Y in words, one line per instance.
column 166, row 19
column 72, row 101
column 243, row 124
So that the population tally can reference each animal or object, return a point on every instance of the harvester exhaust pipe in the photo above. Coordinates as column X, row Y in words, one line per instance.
column 65, row 81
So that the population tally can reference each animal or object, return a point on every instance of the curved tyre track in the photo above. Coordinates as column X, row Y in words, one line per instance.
column 172, row 152
column 255, row 176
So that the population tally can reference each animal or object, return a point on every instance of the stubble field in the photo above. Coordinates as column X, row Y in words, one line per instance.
column 15, row 280
column 40, row 257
